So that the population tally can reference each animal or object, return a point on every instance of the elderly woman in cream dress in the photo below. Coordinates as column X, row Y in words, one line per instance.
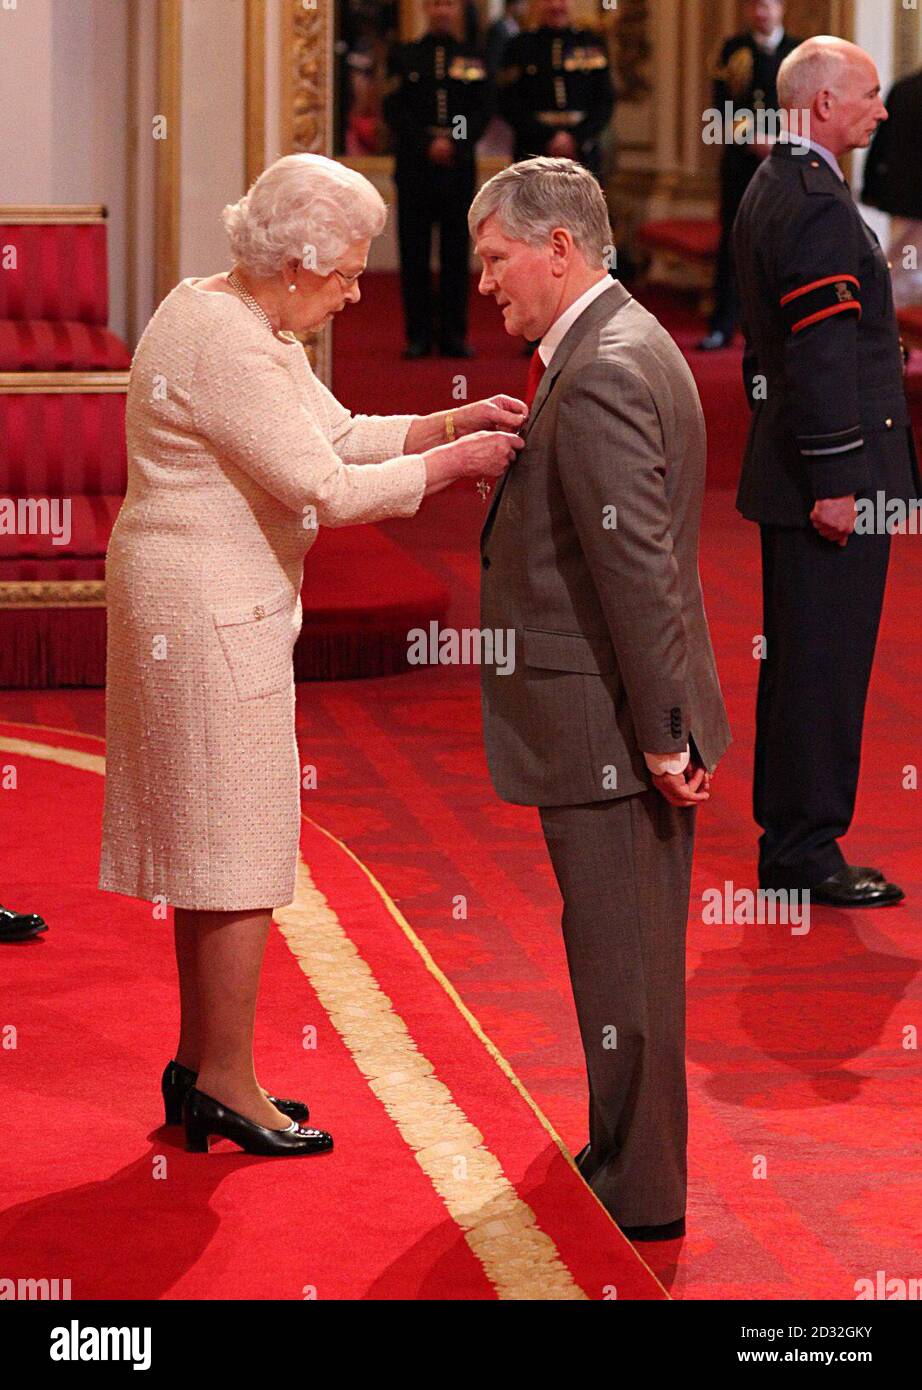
column 237, row 454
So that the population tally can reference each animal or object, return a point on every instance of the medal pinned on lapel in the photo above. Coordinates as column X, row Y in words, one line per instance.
column 484, row 488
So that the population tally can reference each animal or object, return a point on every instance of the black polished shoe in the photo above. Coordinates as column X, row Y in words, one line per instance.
column 177, row 1080
column 854, row 886
column 415, row 349
column 714, row 342
column 671, row 1231
column 203, row 1116
column 457, row 349
column 20, row 926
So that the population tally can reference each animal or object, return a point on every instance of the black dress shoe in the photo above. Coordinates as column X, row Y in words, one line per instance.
column 177, row 1080
column 20, row 926
column 416, row 348
column 671, row 1231
column 204, row 1116
column 457, row 349
column 854, row 886
column 714, row 342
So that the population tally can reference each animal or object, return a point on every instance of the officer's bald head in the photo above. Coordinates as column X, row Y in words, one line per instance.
column 819, row 63
column 831, row 92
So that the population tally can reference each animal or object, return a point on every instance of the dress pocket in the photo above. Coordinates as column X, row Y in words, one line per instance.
column 257, row 642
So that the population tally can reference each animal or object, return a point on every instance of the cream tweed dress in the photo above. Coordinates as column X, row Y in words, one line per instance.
column 236, row 452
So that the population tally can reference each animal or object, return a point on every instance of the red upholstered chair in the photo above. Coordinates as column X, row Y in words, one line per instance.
column 681, row 251
column 63, row 379
column 54, row 295
column 62, row 437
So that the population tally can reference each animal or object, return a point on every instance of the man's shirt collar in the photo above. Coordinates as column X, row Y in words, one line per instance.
column 769, row 42
column 818, row 149
column 561, row 326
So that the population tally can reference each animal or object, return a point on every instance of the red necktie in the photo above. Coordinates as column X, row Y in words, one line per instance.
column 535, row 373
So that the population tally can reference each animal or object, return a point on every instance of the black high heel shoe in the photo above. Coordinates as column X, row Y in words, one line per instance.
column 177, row 1080
column 204, row 1116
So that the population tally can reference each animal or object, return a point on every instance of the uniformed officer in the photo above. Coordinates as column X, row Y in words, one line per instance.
column 437, row 107
column 555, row 88
column 745, row 78
column 830, row 426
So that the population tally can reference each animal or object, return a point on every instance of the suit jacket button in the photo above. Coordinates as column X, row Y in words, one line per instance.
column 889, row 424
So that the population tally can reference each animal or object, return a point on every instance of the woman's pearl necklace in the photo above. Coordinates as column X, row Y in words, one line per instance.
column 237, row 285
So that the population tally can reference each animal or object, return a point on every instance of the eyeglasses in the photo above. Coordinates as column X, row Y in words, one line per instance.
column 347, row 280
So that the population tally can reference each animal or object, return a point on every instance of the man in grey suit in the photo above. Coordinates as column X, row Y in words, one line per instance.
column 612, row 720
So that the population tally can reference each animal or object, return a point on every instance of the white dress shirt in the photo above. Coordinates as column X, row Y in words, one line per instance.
column 769, row 42
column 658, row 763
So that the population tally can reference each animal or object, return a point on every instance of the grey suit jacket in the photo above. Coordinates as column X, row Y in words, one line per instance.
column 590, row 554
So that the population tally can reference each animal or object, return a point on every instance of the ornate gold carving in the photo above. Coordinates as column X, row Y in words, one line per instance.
column 307, row 62
column 53, row 593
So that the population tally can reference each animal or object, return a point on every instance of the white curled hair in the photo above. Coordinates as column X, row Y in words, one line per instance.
column 304, row 207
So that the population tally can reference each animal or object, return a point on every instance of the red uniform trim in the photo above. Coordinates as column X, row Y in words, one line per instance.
column 825, row 314
column 818, row 285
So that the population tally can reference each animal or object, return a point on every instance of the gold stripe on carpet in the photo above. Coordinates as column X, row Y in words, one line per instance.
column 70, row 757
column 477, row 1029
column 519, row 1259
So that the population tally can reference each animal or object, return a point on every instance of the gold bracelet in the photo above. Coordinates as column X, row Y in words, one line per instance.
column 450, row 425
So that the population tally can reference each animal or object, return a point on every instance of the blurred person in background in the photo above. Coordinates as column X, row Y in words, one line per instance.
column 746, row 76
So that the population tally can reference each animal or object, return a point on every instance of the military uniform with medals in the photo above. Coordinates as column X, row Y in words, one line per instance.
column 555, row 80
column 432, row 83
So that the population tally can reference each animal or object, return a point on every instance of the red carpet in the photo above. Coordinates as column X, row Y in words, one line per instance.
column 445, row 1183
column 804, row 1078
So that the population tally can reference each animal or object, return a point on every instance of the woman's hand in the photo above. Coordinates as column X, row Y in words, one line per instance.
column 486, row 454
column 496, row 413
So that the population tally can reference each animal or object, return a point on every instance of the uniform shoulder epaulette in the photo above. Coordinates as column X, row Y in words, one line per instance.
column 814, row 174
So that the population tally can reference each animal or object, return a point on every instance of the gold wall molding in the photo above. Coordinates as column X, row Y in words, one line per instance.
column 55, row 214
column 168, row 153
column 62, row 383
column 306, row 124
column 307, row 94
column 255, row 94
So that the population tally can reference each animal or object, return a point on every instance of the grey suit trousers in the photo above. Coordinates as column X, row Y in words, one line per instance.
column 624, row 871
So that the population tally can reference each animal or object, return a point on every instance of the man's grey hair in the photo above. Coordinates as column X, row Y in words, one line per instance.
column 815, row 65
column 531, row 198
